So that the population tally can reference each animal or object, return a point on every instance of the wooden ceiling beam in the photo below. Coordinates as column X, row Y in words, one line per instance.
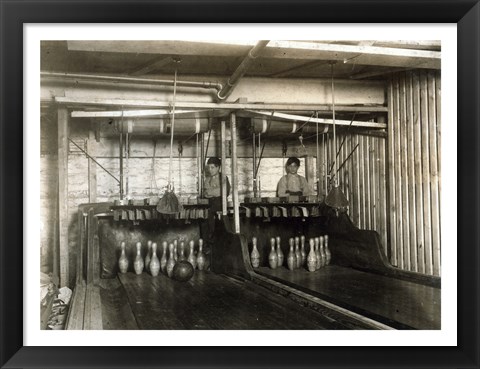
column 375, row 73
column 361, row 54
column 302, row 67
column 152, row 65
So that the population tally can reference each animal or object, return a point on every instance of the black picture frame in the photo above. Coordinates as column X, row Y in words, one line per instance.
column 14, row 14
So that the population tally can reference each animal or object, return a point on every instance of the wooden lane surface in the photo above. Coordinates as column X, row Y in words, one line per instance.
column 395, row 302
column 116, row 311
column 212, row 301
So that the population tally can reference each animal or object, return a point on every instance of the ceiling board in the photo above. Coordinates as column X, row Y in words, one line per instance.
column 280, row 59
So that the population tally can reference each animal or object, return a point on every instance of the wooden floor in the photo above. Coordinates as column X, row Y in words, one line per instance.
column 207, row 301
column 395, row 302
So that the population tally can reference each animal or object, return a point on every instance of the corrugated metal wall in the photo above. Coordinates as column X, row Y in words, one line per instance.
column 414, row 176
column 393, row 184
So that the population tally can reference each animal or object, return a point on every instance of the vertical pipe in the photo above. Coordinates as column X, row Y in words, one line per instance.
column 254, row 151
column 233, row 133
column 224, row 180
column 121, row 165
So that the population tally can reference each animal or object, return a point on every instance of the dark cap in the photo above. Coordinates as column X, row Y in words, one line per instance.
column 293, row 160
column 214, row 161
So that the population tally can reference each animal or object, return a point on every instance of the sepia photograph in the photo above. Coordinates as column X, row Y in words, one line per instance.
column 240, row 184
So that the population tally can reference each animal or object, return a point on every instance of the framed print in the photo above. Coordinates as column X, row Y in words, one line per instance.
column 226, row 184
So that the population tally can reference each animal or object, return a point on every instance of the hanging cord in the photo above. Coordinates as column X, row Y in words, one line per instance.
column 171, row 131
column 343, row 141
column 127, row 165
column 121, row 149
column 334, row 133
column 180, row 154
column 153, row 180
column 318, row 156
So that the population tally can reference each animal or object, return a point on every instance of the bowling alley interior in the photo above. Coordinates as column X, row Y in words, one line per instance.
column 240, row 185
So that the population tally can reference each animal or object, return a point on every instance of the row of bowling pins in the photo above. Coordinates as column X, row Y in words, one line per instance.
column 165, row 264
column 319, row 254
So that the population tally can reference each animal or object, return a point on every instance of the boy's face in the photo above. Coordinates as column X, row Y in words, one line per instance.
column 213, row 169
column 292, row 168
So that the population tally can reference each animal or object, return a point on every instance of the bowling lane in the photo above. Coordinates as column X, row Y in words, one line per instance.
column 395, row 302
column 212, row 301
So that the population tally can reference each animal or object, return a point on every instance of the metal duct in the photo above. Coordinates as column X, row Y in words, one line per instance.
column 118, row 79
column 264, row 125
column 161, row 126
column 241, row 69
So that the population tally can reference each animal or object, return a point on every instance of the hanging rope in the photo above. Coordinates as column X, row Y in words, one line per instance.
column 169, row 203
column 153, row 180
column 171, row 130
column 335, row 198
column 334, row 133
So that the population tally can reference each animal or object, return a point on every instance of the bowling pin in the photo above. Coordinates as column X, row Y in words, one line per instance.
column 298, row 254
column 175, row 249
column 182, row 257
column 312, row 257
column 175, row 252
column 328, row 254
column 171, row 259
column 303, row 253
column 138, row 263
column 201, row 259
column 123, row 260
column 192, row 259
column 154, row 262
column 317, row 252
column 322, row 253
column 163, row 260
column 291, row 258
column 255, row 255
column 280, row 255
column 272, row 256
column 147, row 257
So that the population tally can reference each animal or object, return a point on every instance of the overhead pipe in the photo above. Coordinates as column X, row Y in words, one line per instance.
column 118, row 79
column 241, row 69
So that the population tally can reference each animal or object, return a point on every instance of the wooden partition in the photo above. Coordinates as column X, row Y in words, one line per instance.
column 362, row 175
column 392, row 179
column 414, row 175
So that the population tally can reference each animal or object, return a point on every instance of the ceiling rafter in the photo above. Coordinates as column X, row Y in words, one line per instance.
column 362, row 54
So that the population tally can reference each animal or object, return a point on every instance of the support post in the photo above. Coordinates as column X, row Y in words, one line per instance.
column 62, row 116
column 224, row 179
column 233, row 133
column 310, row 171
column 254, row 172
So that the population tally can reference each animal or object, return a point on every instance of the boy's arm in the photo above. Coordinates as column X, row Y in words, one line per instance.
column 282, row 187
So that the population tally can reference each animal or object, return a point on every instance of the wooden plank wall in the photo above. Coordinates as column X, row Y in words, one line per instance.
column 414, row 171
column 363, row 178
column 393, row 184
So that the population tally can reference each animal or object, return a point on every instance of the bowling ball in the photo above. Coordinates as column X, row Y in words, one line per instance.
column 182, row 271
